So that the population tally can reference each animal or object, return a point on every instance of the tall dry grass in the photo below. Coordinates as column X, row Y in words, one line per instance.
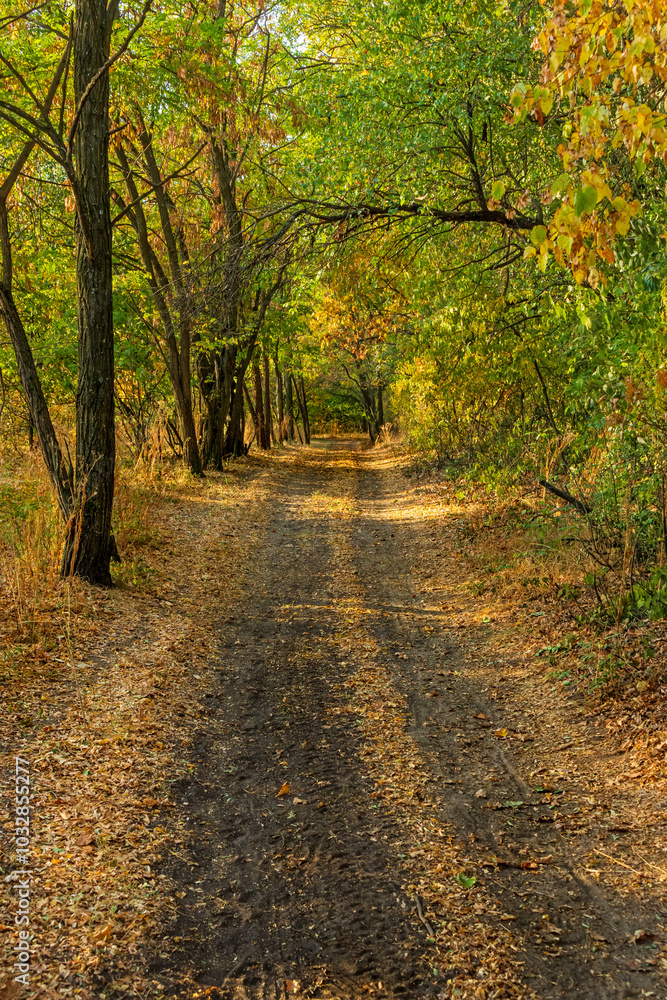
column 40, row 612
column 30, row 543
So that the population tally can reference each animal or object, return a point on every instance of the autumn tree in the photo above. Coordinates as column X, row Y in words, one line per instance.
column 78, row 143
column 603, row 80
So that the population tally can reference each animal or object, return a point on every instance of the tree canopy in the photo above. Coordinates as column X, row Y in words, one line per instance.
column 442, row 216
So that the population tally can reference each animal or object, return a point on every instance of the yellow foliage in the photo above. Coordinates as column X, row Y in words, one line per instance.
column 607, row 62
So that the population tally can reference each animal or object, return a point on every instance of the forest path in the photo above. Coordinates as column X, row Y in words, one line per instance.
column 354, row 827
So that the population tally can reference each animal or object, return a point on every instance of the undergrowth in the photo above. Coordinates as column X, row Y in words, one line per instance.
column 39, row 611
column 530, row 553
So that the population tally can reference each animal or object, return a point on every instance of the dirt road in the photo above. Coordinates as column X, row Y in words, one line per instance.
column 354, row 826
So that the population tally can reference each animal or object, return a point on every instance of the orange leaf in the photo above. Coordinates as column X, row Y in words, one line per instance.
column 99, row 937
column 284, row 789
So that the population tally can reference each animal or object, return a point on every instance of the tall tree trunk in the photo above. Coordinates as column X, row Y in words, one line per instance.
column 88, row 544
column 253, row 411
column 270, row 435
column 306, row 425
column 380, row 408
column 289, row 402
column 242, row 421
column 166, row 293
column 302, row 410
column 279, row 401
column 259, row 402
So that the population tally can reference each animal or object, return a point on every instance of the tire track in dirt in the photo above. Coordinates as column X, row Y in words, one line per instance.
column 314, row 892
column 578, row 938
column 299, row 888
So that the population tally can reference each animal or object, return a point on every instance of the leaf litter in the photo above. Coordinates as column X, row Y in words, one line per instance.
column 103, row 768
column 110, row 725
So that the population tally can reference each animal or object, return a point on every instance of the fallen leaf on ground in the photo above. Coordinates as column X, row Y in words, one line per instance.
column 501, row 733
column 99, row 937
column 299, row 802
column 284, row 789
column 9, row 990
column 464, row 881
column 292, row 985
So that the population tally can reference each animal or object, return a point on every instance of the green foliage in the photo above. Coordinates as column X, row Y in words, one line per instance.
column 409, row 214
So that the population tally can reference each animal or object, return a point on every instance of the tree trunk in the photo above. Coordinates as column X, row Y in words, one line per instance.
column 302, row 409
column 88, row 543
column 279, row 401
column 380, row 408
column 59, row 470
column 242, row 423
column 270, row 435
column 306, row 426
column 162, row 292
column 253, row 411
column 259, row 402
column 289, row 402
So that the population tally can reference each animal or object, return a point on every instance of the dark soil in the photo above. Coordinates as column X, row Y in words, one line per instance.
column 301, row 892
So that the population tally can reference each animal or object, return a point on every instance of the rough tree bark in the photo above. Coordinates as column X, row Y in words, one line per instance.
column 88, row 543
column 268, row 419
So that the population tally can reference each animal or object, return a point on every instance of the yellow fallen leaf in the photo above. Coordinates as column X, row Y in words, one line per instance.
column 284, row 789
column 104, row 933
column 501, row 733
